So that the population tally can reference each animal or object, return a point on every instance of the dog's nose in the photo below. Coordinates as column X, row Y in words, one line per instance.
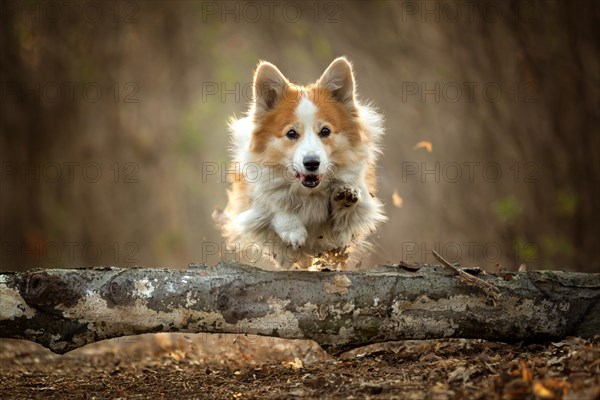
column 311, row 163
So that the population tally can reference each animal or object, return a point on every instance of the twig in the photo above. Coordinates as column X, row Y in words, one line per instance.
column 490, row 289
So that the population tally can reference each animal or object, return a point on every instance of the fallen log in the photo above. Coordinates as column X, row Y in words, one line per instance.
column 63, row 309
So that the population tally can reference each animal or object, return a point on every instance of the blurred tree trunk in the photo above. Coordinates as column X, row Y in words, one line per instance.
column 23, row 142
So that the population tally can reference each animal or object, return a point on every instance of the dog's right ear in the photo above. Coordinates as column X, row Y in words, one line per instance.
column 338, row 79
column 269, row 87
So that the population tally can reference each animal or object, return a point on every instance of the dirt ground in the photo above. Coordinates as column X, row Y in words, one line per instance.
column 178, row 366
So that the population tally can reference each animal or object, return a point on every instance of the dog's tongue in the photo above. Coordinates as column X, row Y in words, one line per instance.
column 310, row 181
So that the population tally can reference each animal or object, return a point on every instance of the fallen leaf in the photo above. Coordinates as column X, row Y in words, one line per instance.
column 541, row 391
column 556, row 360
column 526, row 373
column 461, row 373
column 177, row 355
column 397, row 200
column 424, row 145
column 295, row 364
column 557, row 385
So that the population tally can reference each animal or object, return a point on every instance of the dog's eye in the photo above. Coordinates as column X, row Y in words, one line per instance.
column 324, row 132
column 292, row 134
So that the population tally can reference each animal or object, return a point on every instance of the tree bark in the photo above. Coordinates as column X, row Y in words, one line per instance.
column 64, row 309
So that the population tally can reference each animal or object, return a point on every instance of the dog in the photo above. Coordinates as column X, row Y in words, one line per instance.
column 304, row 159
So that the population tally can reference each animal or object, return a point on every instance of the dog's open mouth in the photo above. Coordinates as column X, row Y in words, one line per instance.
column 310, row 181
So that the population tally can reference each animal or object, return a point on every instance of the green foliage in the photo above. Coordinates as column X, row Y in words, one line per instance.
column 525, row 251
column 566, row 203
column 508, row 209
column 322, row 47
column 557, row 245
column 168, row 242
column 190, row 127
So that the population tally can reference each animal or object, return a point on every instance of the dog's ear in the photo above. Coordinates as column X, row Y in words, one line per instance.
column 338, row 79
column 269, row 86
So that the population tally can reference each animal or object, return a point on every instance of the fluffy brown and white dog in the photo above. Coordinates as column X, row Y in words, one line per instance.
column 305, row 161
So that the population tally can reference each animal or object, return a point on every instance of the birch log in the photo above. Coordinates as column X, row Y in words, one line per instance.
column 63, row 309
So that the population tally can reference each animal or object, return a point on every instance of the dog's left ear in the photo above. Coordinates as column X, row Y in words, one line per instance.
column 338, row 79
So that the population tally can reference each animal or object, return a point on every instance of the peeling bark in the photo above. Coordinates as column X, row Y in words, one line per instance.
column 64, row 309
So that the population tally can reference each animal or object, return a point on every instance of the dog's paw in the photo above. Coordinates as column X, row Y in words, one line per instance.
column 295, row 237
column 345, row 196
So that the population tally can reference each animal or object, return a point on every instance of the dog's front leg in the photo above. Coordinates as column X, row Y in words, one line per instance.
column 290, row 229
column 354, row 213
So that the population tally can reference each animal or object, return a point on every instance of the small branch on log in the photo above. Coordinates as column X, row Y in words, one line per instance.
column 67, row 308
column 490, row 289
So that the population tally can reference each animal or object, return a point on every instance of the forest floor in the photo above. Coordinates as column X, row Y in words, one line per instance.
column 178, row 366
